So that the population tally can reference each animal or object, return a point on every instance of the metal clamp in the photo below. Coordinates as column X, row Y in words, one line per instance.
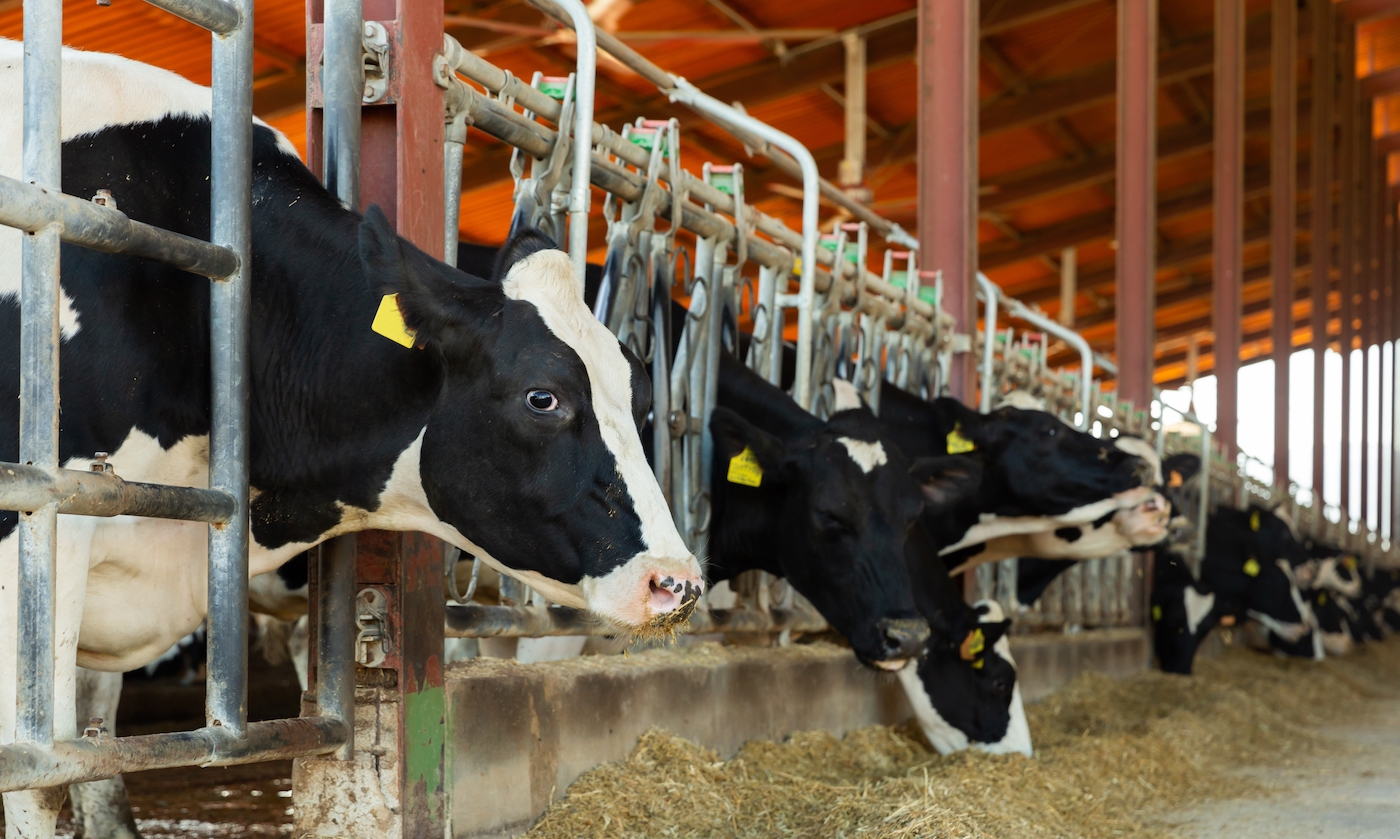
column 378, row 62
column 371, row 618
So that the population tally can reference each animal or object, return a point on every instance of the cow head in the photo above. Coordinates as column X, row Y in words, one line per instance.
column 837, row 503
column 964, row 689
column 1182, row 613
column 531, row 456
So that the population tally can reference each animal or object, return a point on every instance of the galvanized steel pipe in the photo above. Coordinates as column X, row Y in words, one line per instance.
column 31, row 488
column 342, row 92
column 476, row 621
column 218, row 16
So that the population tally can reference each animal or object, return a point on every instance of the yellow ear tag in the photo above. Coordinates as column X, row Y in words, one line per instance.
column 1254, row 521
column 972, row 646
column 1251, row 567
column 977, row 665
column 957, row 443
column 388, row 321
column 744, row 469
column 1350, row 563
column 1156, row 613
column 1322, row 598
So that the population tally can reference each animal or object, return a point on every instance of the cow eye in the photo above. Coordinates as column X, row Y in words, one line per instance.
column 542, row 401
column 1051, row 431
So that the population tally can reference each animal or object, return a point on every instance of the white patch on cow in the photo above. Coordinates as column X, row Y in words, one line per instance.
column 866, row 455
column 99, row 91
column 941, row 735
column 1197, row 607
column 1337, row 644
column 1292, row 632
column 1329, row 578
column 546, row 280
column 847, row 397
column 1022, row 399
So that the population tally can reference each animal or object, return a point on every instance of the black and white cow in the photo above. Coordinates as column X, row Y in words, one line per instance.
column 1041, row 479
column 509, row 429
column 1247, row 573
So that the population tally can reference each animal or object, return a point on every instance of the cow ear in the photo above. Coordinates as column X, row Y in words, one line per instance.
column 946, row 480
column 527, row 242
column 432, row 301
column 1180, row 468
column 732, row 435
column 995, row 631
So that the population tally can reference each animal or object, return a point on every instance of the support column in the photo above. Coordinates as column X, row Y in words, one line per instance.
column 1365, row 278
column 1069, row 281
column 1346, row 233
column 1229, row 216
column 394, row 787
column 1283, row 215
column 948, row 45
column 853, row 165
column 1136, row 197
column 1323, row 92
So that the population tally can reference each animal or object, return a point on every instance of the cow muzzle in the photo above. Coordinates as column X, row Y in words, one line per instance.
column 901, row 640
column 648, row 595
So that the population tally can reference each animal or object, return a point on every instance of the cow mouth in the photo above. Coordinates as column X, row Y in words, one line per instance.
column 672, row 604
column 892, row 665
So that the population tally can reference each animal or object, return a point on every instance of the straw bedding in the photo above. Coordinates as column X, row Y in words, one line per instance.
column 1110, row 757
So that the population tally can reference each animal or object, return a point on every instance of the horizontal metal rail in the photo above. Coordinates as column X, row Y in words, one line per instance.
column 101, row 228
column 217, row 16
column 509, row 126
column 30, row 488
column 634, row 60
column 477, row 621
column 29, row 766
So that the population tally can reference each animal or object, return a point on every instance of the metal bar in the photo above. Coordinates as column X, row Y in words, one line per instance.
column 38, row 405
column 1016, row 309
column 218, row 16
column 852, row 171
column 29, row 766
column 226, row 700
column 453, row 142
column 1283, row 216
column 343, row 87
column 1323, row 92
column 476, row 621
column 1346, row 231
column 684, row 91
column 34, row 208
column 947, row 163
column 335, row 635
column 584, row 79
column 1365, row 206
column 31, row 488
column 1069, row 277
column 991, row 295
column 1228, row 194
column 1136, row 198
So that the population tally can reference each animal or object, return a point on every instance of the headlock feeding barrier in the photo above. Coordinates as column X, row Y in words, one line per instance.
column 874, row 329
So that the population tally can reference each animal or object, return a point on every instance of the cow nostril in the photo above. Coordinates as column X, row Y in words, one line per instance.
column 663, row 599
column 904, row 641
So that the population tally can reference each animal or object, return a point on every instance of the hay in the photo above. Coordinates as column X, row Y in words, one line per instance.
column 1110, row 757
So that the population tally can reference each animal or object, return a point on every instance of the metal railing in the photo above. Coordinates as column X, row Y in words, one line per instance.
column 40, row 489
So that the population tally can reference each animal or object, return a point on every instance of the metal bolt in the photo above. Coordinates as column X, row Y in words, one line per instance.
column 94, row 729
column 100, row 463
column 104, row 198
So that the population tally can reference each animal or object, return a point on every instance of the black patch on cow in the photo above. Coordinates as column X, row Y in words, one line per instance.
column 295, row 572
column 1103, row 520
column 1034, row 576
column 1069, row 534
column 525, row 243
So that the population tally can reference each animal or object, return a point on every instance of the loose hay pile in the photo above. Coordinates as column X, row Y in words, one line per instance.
column 1109, row 755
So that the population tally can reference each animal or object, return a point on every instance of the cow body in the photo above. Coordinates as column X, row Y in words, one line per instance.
column 509, row 429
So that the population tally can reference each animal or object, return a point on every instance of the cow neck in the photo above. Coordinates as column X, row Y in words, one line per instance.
column 761, row 403
column 334, row 405
column 935, row 593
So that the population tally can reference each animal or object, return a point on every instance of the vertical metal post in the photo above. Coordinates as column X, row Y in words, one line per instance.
column 1323, row 91
column 226, row 702
column 1346, row 231
column 947, row 160
column 39, row 340
column 1229, row 215
column 1283, row 187
column 453, row 142
column 1365, row 312
column 342, row 90
column 853, row 165
column 335, row 634
column 1136, row 198
column 1069, row 279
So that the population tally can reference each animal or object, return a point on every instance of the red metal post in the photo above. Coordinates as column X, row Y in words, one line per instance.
column 1284, row 215
column 1346, row 232
column 947, row 136
column 396, row 783
column 1323, row 92
column 1229, row 215
column 1136, row 198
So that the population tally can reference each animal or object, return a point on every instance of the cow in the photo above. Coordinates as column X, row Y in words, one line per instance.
column 1247, row 573
column 507, row 424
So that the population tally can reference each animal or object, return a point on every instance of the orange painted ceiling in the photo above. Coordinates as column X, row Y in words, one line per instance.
column 1045, row 155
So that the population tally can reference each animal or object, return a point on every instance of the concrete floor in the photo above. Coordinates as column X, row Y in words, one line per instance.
column 1338, row 797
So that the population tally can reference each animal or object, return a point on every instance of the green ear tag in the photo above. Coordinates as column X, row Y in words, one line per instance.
column 957, row 443
column 1156, row 613
column 744, row 469
column 388, row 321
column 1251, row 567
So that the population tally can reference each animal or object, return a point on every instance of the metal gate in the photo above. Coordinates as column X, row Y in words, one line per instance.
column 40, row 489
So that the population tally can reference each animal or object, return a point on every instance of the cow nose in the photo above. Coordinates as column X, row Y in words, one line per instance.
column 673, row 597
column 903, row 638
